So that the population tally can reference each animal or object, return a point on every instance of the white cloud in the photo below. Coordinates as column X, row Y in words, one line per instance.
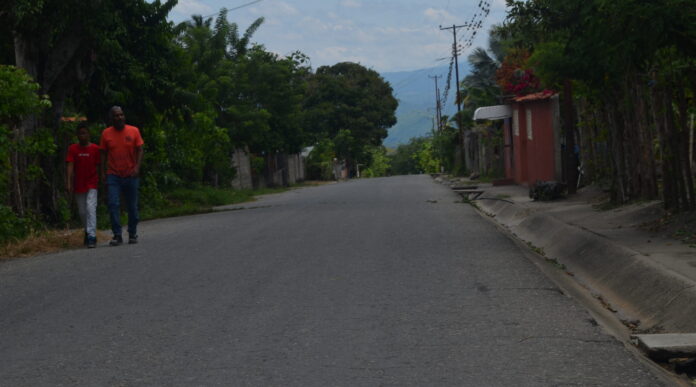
column 438, row 15
column 351, row 4
column 381, row 34
column 275, row 9
column 191, row 7
column 335, row 54
column 285, row 9
column 311, row 25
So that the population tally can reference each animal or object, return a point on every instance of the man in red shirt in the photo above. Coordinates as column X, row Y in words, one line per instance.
column 122, row 154
column 82, row 180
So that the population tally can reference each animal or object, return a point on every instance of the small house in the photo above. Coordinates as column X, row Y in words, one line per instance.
column 532, row 138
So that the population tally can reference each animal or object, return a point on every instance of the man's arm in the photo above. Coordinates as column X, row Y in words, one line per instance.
column 138, row 160
column 103, row 165
column 69, row 177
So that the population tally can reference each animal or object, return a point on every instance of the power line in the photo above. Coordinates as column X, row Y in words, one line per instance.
column 449, row 81
column 471, row 28
column 455, row 52
column 235, row 8
column 438, row 107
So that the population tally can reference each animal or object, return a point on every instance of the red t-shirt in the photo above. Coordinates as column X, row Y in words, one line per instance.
column 120, row 146
column 86, row 161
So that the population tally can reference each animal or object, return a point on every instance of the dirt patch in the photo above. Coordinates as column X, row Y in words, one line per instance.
column 680, row 226
column 48, row 242
column 312, row 183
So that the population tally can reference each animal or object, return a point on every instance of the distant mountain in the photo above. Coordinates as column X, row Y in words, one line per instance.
column 416, row 95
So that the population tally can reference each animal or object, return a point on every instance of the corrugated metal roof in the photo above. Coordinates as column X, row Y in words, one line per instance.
column 497, row 112
column 546, row 94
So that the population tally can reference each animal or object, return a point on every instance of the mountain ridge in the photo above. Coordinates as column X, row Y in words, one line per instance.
column 415, row 92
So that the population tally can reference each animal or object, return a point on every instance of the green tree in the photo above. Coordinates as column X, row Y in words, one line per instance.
column 351, row 105
column 426, row 159
column 406, row 159
column 444, row 146
column 69, row 48
column 18, row 98
column 379, row 164
column 631, row 63
column 261, row 100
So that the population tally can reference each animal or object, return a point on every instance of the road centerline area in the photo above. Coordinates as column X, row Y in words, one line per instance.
column 388, row 281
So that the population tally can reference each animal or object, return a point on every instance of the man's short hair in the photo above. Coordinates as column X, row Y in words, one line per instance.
column 111, row 111
column 81, row 125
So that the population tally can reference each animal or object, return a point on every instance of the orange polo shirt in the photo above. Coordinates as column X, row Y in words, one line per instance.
column 120, row 146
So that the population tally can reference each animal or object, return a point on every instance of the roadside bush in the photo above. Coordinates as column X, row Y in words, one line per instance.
column 12, row 226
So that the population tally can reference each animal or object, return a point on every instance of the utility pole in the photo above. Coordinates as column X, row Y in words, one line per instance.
column 456, row 59
column 438, row 106
column 455, row 50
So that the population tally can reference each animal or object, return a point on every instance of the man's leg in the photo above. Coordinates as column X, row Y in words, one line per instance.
column 81, row 200
column 91, row 217
column 130, row 193
column 113, row 183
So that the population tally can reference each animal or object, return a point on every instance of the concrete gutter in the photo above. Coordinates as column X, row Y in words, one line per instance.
column 668, row 345
column 649, row 295
column 650, row 283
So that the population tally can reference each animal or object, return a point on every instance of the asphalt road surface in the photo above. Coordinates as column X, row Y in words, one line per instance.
column 380, row 282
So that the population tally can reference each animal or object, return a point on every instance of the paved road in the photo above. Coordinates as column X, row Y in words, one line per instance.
column 382, row 282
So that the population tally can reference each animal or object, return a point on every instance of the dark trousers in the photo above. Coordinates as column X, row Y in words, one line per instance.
column 128, row 186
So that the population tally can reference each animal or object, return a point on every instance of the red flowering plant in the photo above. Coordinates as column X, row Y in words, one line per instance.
column 515, row 77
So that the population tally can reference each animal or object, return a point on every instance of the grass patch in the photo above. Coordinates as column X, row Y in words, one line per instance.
column 486, row 179
column 198, row 200
column 179, row 202
column 679, row 226
column 48, row 241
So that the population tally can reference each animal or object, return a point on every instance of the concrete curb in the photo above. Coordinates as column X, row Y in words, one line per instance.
column 640, row 290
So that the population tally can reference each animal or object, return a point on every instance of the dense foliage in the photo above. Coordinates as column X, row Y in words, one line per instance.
column 627, row 74
column 199, row 91
column 353, row 107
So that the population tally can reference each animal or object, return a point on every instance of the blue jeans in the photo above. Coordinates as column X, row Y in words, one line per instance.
column 129, row 187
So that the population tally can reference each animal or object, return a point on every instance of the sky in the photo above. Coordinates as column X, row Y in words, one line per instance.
column 384, row 35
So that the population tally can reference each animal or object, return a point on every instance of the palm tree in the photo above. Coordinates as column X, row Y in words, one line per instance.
column 238, row 46
column 209, row 45
column 480, row 88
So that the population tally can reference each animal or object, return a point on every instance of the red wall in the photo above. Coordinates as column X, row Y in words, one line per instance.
column 533, row 159
column 508, row 149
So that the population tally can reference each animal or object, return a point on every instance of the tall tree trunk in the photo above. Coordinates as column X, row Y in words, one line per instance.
column 683, row 150
column 619, row 190
column 646, row 155
column 571, row 166
column 627, row 121
column 17, row 197
column 665, row 165
column 678, row 190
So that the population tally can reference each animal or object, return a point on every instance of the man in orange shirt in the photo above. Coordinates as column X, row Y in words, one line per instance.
column 122, row 154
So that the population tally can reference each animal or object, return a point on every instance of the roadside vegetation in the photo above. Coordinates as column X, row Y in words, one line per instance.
column 40, row 238
column 198, row 91
column 625, row 73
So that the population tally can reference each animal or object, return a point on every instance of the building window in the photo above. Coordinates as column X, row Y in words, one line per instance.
column 516, row 122
column 530, row 132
